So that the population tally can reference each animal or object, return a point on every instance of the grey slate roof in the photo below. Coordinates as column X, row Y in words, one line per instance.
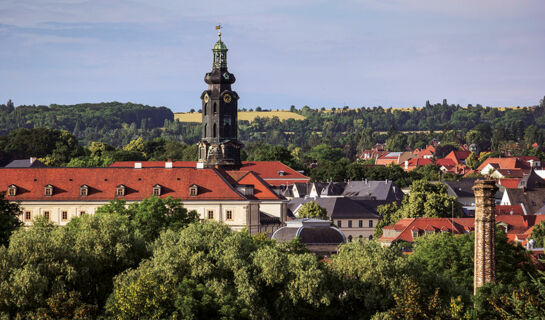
column 333, row 189
column 533, row 200
column 461, row 189
column 531, row 181
column 25, row 163
column 341, row 207
column 371, row 189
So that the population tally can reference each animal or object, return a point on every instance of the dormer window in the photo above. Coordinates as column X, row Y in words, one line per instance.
column 193, row 190
column 84, row 191
column 120, row 190
column 281, row 173
column 48, row 190
column 12, row 190
column 156, row 190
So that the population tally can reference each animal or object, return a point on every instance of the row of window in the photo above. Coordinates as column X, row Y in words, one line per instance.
column 46, row 214
column 228, row 215
column 64, row 215
column 360, row 237
column 120, row 190
column 360, row 224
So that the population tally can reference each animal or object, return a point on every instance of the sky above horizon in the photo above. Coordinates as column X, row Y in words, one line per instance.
column 393, row 53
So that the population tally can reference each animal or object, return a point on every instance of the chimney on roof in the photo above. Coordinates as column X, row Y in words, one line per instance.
column 138, row 165
column 168, row 164
column 485, row 227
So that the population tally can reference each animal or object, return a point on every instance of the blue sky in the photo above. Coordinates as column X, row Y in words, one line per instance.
column 394, row 53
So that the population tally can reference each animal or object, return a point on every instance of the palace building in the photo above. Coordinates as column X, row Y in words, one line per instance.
column 219, row 186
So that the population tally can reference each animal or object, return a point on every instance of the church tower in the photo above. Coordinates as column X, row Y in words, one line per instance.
column 219, row 145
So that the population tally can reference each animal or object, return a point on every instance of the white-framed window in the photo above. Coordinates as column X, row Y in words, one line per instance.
column 210, row 214
column 84, row 191
column 82, row 213
column 64, row 215
column 28, row 215
column 193, row 190
column 156, row 190
column 229, row 215
column 46, row 215
column 48, row 190
column 120, row 190
column 339, row 223
column 350, row 223
column 12, row 190
column 370, row 223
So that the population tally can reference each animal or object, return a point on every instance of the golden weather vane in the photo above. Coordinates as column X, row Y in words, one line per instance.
column 218, row 27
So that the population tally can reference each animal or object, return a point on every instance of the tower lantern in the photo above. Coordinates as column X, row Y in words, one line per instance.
column 219, row 145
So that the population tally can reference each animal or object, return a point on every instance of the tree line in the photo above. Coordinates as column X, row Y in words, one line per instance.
column 155, row 260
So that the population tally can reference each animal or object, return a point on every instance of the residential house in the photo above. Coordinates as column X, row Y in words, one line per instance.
column 393, row 157
column 408, row 229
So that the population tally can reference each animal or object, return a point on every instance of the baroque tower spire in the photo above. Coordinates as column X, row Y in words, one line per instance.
column 219, row 145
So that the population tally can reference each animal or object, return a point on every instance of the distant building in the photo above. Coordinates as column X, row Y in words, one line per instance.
column 517, row 227
column 26, row 163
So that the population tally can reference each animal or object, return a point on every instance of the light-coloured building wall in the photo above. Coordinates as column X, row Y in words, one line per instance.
column 277, row 208
column 245, row 214
column 355, row 231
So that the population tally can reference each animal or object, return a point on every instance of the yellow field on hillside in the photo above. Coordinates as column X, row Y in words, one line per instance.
column 242, row 115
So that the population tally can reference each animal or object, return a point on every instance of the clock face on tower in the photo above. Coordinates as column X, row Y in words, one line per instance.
column 226, row 75
column 227, row 98
column 206, row 98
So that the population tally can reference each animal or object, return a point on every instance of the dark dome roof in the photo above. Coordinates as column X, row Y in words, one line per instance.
column 310, row 232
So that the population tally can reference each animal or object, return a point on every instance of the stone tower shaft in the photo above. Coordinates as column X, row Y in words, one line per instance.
column 485, row 233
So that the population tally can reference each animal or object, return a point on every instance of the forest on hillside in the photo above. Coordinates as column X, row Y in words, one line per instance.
column 117, row 124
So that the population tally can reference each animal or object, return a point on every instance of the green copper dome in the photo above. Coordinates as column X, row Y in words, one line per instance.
column 220, row 46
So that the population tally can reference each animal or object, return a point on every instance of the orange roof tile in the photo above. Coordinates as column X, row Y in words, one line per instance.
column 103, row 182
column 273, row 172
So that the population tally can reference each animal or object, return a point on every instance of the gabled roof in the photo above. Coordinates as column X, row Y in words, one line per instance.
column 509, row 183
column 505, row 163
column 462, row 188
column 532, row 181
column 509, row 209
column 403, row 230
column 532, row 200
column 373, row 189
column 261, row 188
column 102, row 183
column 446, row 162
column 458, row 156
column 26, row 163
column 339, row 208
column 333, row 189
column 511, row 173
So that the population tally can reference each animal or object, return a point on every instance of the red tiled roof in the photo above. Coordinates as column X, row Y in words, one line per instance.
column 273, row 172
column 103, row 182
column 516, row 224
column 446, row 162
column 511, row 173
column 510, row 183
column 507, row 163
column 458, row 156
column 507, row 209
column 261, row 188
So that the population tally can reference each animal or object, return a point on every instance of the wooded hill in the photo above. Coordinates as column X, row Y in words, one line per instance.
column 119, row 123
